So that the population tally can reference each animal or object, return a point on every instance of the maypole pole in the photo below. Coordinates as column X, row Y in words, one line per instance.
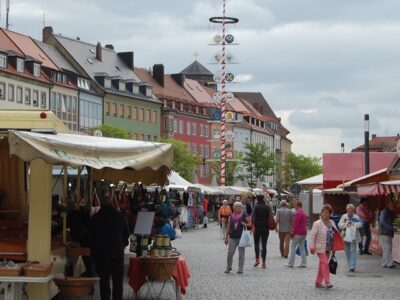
column 224, row 20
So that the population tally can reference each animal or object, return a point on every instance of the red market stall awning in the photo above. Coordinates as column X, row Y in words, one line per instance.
column 382, row 188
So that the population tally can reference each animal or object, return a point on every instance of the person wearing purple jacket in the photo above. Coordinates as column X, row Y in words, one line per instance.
column 299, row 233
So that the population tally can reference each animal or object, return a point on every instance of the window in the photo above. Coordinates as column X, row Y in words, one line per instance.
column 189, row 108
column 19, row 94
column 122, row 110
column 194, row 129
column 149, row 138
column 107, row 108
column 36, row 70
column 83, row 84
column 43, row 99
column 194, row 150
column 181, row 106
column 173, row 104
column 2, row 90
column 207, row 151
column 207, row 170
column 202, row 171
column 141, row 114
column 188, row 129
column 181, row 129
column 114, row 109
column 202, row 150
column 141, row 137
column 129, row 112
column 204, row 111
column 27, row 96
column 148, row 116
column 197, row 110
column 155, row 138
column 11, row 93
column 35, row 98
column 3, row 61
column 175, row 126
column 154, row 117
column 206, row 131
column 134, row 113
column 201, row 130
column 165, row 103
column 20, row 65
column 189, row 146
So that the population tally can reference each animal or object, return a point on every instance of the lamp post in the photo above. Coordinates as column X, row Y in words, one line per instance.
column 366, row 143
column 342, row 147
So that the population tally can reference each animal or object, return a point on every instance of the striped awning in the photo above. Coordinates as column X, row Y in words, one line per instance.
column 382, row 188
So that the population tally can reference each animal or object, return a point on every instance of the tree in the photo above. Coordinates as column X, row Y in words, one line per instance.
column 185, row 162
column 113, row 131
column 231, row 168
column 258, row 162
column 298, row 167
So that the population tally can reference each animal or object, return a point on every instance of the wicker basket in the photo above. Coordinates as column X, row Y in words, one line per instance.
column 36, row 269
column 76, row 286
column 158, row 268
column 9, row 271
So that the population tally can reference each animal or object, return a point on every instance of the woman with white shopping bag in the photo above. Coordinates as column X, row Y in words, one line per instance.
column 238, row 223
column 349, row 225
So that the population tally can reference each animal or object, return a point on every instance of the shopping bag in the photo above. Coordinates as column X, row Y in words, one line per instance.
column 246, row 240
column 333, row 264
column 350, row 234
column 305, row 248
column 178, row 233
column 205, row 220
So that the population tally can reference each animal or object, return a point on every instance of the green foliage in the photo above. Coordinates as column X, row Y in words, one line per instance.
column 299, row 167
column 113, row 131
column 231, row 168
column 259, row 162
column 185, row 162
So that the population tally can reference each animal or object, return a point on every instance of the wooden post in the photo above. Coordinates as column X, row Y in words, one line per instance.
column 39, row 226
column 64, row 203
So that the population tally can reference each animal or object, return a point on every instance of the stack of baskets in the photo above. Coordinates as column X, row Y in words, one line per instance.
column 158, row 268
column 36, row 269
column 10, row 270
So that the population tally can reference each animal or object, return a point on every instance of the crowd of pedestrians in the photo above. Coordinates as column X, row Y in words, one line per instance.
column 352, row 232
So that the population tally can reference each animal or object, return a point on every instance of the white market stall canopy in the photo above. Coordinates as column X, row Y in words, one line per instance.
column 314, row 180
column 177, row 182
column 111, row 159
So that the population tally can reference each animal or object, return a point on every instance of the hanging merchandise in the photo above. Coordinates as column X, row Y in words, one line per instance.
column 95, row 203
column 190, row 199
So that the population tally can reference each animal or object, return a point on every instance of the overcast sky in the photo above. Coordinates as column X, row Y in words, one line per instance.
column 321, row 64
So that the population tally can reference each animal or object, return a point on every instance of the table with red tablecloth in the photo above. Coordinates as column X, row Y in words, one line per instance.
column 137, row 277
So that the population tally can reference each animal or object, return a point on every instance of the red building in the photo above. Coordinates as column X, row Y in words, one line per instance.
column 182, row 117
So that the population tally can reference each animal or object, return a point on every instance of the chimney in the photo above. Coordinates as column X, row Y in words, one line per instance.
column 99, row 54
column 158, row 74
column 373, row 135
column 46, row 33
column 109, row 46
column 128, row 58
column 179, row 78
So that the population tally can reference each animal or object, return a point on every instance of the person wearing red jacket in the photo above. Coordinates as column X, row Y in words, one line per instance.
column 205, row 211
column 299, row 233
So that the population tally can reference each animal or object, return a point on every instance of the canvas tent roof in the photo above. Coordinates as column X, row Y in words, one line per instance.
column 111, row 159
column 314, row 180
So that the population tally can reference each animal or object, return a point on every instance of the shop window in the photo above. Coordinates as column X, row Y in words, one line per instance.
column 11, row 93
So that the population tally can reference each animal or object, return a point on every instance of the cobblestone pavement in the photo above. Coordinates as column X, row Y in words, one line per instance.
column 206, row 255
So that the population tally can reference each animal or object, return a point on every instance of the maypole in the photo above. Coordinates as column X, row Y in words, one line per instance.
column 224, row 20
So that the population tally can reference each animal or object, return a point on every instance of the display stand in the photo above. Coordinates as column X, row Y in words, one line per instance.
column 12, row 286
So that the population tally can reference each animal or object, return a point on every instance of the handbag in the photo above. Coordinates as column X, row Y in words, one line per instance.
column 246, row 240
column 271, row 220
column 333, row 264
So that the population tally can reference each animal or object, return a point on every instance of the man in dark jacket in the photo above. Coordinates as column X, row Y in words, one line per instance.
column 108, row 233
column 259, row 219
column 386, row 232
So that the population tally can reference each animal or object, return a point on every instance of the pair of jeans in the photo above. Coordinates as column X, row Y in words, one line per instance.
column 233, row 244
column 387, row 257
column 351, row 253
column 284, row 241
column 261, row 233
column 365, row 231
column 323, row 268
column 300, row 241
column 110, row 267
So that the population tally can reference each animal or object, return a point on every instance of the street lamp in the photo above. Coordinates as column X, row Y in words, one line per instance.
column 366, row 143
column 342, row 147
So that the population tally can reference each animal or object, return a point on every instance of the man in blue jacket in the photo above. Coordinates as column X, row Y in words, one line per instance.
column 386, row 232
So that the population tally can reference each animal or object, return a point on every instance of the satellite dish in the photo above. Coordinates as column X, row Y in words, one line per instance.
column 217, row 39
column 229, row 38
column 229, row 77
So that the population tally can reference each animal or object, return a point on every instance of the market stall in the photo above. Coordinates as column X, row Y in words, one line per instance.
column 23, row 150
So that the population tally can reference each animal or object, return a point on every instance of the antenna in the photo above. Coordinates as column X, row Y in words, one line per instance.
column 44, row 19
column 7, row 13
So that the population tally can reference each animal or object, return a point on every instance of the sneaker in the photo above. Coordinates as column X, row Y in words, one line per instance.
column 319, row 285
column 239, row 272
column 302, row 266
column 352, row 270
column 257, row 262
column 228, row 270
column 328, row 286
column 287, row 265
column 264, row 265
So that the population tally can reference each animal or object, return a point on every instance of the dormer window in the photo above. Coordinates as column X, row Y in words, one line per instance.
column 197, row 110
column 20, row 65
column 204, row 111
column 189, row 108
column 83, row 84
column 107, row 83
column 173, row 105
column 149, row 91
column 181, row 106
column 3, row 61
column 165, row 103
column 36, row 70
column 121, row 86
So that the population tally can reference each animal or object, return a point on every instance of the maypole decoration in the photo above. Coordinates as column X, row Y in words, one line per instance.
column 225, row 77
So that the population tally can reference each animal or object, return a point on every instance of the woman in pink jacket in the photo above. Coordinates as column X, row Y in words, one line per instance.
column 324, row 239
